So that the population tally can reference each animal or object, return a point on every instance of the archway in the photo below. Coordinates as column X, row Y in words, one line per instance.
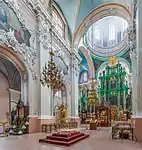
column 13, row 75
column 10, row 88
column 4, row 97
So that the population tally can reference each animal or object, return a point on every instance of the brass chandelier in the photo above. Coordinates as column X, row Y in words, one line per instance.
column 50, row 75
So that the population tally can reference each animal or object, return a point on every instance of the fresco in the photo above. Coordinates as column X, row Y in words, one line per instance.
column 10, row 23
column 62, row 67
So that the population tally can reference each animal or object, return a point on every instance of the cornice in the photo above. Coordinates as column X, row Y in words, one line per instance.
column 40, row 10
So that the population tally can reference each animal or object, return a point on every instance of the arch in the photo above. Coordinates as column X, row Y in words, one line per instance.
column 122, row 61
column 17, row 62
column 89, row 61
column 16, row 59
column 104, row 10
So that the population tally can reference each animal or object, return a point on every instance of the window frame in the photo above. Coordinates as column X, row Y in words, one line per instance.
column 82, row 76
column 58, row 26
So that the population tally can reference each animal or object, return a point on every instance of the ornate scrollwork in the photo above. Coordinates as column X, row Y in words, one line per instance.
column 28, row 53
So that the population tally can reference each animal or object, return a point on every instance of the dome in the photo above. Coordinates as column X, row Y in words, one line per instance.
column 107, row 37
column 76, row 10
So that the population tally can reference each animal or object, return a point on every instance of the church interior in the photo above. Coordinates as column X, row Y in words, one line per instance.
column 70, row 74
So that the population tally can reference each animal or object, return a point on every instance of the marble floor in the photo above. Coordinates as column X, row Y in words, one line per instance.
column 98, row 140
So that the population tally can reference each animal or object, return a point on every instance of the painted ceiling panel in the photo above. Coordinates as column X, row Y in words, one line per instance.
column 76, row 10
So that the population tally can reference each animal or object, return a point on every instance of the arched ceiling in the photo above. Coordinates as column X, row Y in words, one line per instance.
column 76, row 10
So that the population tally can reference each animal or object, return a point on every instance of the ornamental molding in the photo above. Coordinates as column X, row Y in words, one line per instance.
column 64, row 44
column 59, row 53
column 26, row 53
column 7, row 38
column 46, row 19
column 43, row 34
column 133, row 55
column 100, row 12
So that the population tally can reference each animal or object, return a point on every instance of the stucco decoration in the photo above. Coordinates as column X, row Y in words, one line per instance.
column 75, row 63
column 27, row 53
column 43, row 32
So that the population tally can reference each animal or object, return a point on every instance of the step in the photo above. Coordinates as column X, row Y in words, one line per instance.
column 65, row 143
column 51, row 137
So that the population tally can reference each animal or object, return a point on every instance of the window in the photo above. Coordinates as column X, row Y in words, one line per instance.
column 58, row 93
column 97, row 32
column 124, row 25
column 84, row 77
column 58, row 23
column 112, row 33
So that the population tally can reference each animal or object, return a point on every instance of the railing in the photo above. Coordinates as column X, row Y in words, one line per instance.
column 53, row 126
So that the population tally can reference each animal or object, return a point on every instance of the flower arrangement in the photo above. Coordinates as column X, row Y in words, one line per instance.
column 19, row 125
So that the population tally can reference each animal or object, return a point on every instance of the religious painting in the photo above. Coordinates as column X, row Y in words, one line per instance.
column 113, row 100
column 10, row 23
column 62, row 67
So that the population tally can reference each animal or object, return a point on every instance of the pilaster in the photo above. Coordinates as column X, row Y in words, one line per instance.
column 43, row 48
column 74, row 84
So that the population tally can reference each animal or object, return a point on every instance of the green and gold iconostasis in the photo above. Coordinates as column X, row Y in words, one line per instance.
column 113, row 84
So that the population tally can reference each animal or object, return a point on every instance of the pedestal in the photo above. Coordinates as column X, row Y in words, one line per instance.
column 137, row 124
column 35, row 123
column 93, row 126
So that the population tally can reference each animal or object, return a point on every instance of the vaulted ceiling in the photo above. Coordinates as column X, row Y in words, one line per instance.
column 76, row 10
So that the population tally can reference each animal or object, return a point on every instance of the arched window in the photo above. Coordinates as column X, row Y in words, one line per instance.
column 124, row 25
column 112, row 33
column 58, row 93
column 84, row 76
column 58, row 23
column 96, row 32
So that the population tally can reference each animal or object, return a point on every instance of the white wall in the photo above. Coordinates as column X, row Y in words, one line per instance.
column 4, row 98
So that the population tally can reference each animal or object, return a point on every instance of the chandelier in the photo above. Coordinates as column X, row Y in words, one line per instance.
column 50, row 75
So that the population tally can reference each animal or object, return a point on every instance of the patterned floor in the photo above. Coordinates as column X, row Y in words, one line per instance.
column 98, row 140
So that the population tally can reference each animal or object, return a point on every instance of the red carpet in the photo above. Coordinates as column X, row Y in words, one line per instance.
column 65, row 138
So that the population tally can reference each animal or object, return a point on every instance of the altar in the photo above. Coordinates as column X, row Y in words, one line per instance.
column 113, row 85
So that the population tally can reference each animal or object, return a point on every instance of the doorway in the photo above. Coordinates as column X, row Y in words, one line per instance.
column 10, row 89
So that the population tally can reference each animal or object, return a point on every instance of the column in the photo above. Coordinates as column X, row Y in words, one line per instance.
column 118, row 100
column 124, row 100
column 118, row 86
column 74, row 85
column 139, row 59
column 25, row 86
column 137, row 79
column 134, row 82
